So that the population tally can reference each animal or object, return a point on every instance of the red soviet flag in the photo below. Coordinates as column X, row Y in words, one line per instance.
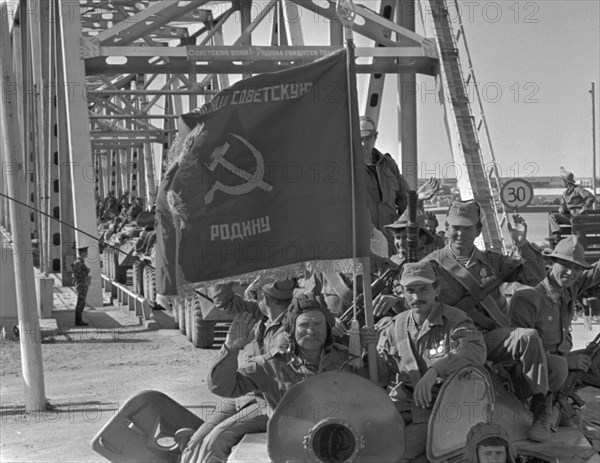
column 264, row 180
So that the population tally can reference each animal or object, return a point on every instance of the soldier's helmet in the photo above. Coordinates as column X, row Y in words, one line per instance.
column 488, row 434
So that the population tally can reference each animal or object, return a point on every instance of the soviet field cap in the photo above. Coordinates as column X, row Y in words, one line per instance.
column 402, row 223
column 283, row 289
column 570, row 250
column 463, row 213
column 418, row 272
column 367, row 126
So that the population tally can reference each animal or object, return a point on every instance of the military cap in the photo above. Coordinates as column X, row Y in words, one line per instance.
column 82, row 249
column 283, row 289
column 402, row 223
column 568, row 177
column 463, row 213
column 418, row 272
column 569, row 249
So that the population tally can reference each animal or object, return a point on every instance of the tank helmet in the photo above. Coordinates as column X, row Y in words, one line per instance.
column 306, row 303
column 482, row 431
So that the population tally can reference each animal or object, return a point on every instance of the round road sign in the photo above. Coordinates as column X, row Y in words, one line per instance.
column 516, row 193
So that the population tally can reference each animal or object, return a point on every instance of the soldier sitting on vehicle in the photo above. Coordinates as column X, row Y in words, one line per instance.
column 575, row 200
column 489, row 443
column 234, row 418
column 336, row 289
column 399, row 233
column 470, row 275
column 548, row 308
column 420, row 347
column 304, row 349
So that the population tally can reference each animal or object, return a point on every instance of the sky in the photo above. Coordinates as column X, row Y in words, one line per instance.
column 534, row 62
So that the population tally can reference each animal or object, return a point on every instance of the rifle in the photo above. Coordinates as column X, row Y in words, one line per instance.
column 412, row 240
column 412, row 228
column 576, row 380
column 377, row 288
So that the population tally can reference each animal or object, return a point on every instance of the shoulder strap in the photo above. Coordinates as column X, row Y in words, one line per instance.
column 405, row 350
column 470, row 283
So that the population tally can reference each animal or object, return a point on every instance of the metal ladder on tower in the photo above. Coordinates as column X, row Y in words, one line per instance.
column 463, row 131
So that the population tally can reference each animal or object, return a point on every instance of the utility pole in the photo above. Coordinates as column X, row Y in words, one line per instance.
column 29, row 322
column 594, row 143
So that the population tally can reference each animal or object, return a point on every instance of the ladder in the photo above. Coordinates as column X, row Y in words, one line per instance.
column 463, row 131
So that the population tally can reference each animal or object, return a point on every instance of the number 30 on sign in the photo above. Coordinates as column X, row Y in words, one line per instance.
column 516, row 193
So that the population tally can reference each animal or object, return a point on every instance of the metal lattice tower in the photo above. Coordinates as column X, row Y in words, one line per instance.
column 473, row 179
column 104, row 82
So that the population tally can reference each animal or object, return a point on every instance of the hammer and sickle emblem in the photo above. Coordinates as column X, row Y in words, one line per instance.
column 252, row 180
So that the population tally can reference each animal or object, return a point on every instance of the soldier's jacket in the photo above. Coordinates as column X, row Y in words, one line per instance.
column 446, row 342
column 549, row 309
column 485, row 266
column 272, row 374
column 80, row 274
column 577, row 200
column 386, row 190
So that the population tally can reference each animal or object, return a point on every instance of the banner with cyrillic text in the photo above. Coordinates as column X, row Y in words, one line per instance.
column 264, row 178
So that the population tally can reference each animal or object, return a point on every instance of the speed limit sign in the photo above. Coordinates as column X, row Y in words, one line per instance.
column 516, row 193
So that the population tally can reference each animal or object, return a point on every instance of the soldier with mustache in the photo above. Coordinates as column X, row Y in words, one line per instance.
column 421, row 346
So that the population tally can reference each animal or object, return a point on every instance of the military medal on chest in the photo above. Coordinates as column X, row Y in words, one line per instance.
column 485, row 275
column 437, row 350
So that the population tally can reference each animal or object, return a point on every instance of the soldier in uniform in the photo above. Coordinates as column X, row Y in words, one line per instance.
column 463, row 271
column 387, row 190
column 399, row 233
column 81, row 280
column 233, row 418
column 416, row 348
column 489, row 443
column 548, row 308
column 575, row 200
column 309, row 350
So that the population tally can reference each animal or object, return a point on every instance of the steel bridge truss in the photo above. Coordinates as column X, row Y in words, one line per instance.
column 101, row 84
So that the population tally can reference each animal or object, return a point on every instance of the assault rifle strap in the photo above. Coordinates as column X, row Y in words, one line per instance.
column 405, row 351
column 470, row 283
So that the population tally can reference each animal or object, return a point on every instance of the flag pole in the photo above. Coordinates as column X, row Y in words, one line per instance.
column 346, row 13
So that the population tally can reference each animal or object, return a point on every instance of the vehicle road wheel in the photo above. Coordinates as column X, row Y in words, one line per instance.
column 203, row 332
column 138, row 278
column 181, row 316
column 189, row 326
column 175, row 306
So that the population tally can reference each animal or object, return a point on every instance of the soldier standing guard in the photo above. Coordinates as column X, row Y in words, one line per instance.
column 82, row 280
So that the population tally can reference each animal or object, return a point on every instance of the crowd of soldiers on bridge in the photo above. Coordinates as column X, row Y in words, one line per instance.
column 289, row 330
column 285, row 331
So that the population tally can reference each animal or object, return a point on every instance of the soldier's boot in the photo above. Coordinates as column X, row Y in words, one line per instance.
column 541, row 407
column 79, row 320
